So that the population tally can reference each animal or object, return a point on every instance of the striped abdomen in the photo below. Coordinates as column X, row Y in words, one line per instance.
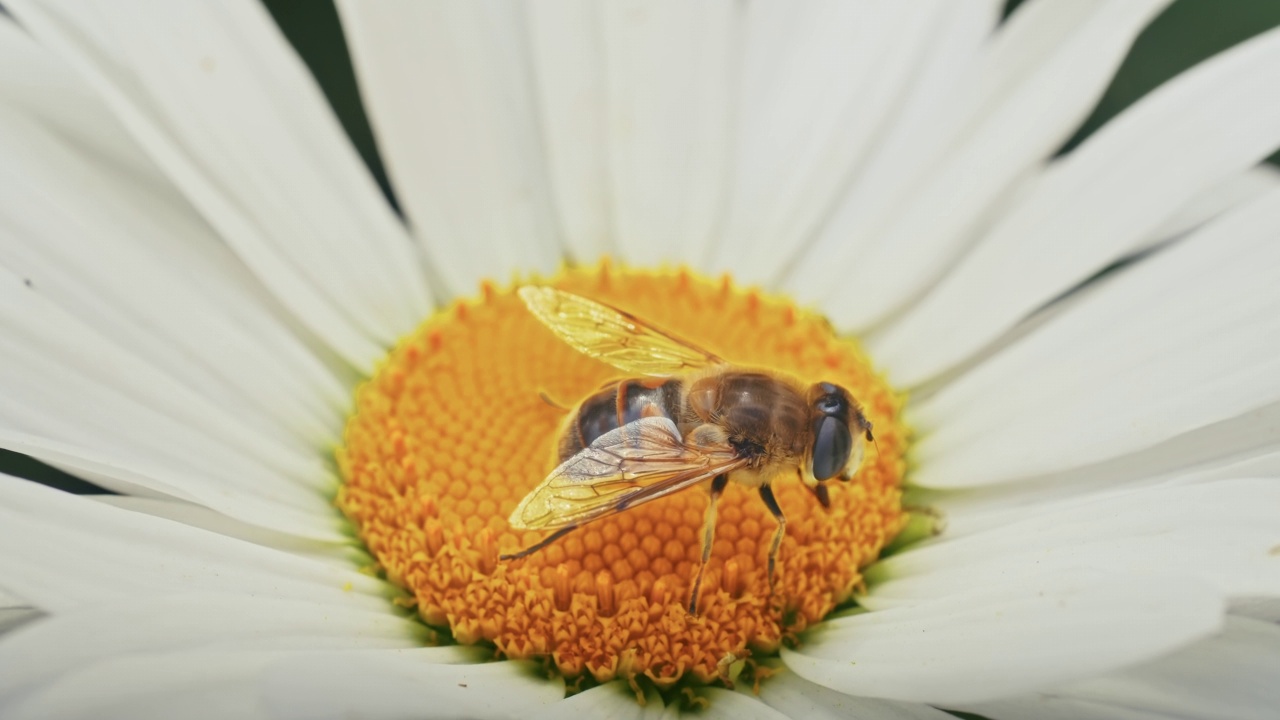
column 615, row 405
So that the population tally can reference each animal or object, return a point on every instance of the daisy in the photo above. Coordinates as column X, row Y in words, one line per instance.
column 317, row 415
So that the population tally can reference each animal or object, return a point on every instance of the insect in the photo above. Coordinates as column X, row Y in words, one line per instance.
column 690, row 419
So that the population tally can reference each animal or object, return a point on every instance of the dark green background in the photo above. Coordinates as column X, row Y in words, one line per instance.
column 1185, row 34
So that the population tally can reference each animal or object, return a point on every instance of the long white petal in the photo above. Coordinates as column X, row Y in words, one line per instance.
column 41, row 652
column 14, row 611
column 1040, row 75
column 448, row 87
column 1242, row 447
column 77, row 400
column 1231, row 676
column 36, row 83
column 795, row 697
column 15, row 616
column 819, row 85
column 565, row 39
column 129, row 257
column 1179, row 342
column 1266, row 609
column 270, row 504
column 919, row 133
column 611, row 701
column 404, row 685
column 224, row 106
column 63, row 552
column 203, row 683
column 1096, row 204
column 346, row 553
column 199, row 685
column 670, row 67
column 729, row 704
column 1013, row 637
column 1219, row 533
column 1238, row 189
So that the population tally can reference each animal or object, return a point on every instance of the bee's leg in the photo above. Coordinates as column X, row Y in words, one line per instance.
column 541, row 543
column 766, row 494
column 546, row 398
column 708, row 536
column 824, row 496
column 816, row 487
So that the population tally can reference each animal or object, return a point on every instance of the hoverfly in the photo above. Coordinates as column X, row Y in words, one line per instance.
column 692, row 419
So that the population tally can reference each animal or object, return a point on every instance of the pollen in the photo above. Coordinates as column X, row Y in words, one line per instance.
column 462, row 419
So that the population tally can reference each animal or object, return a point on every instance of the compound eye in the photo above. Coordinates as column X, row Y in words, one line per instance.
column 832, row 443
column 829, row 399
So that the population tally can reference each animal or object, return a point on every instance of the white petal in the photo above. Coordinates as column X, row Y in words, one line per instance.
column 16, row 616
column 1266, row 609
column 565, row 39
column 75, row 398
column 282, row 509
column 36, row 83
column 192, row 685
column 1014, row 637
column 405, row 684
column 1050, row 707
column 819, row 84
column 1227, row 677
column 1238, row 189
column 611, row 701
column 448, row 88
column 68, row 642
column 63, row 552
column 198, row 683
column 8, row 601
column 1096, row 204
column 729, row 704
column 919, row 132
column 1242, row 447
column 131, row 258
column 1231, row 194
column 1039, row 77
column 795, row 697
column 669, row 76
column 347, row 554
column 1220, row 533
column 14, row 612
column 224, row 106
column 1181, row 341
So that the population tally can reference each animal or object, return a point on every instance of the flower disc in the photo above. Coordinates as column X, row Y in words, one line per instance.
column 453, row 430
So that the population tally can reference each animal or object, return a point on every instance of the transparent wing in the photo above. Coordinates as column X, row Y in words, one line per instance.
column 613, row 336
column 638, row 462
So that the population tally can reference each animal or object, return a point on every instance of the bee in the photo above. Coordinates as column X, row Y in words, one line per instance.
column 691, row 418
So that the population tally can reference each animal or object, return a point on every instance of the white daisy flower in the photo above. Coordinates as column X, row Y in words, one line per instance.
column 198, row 274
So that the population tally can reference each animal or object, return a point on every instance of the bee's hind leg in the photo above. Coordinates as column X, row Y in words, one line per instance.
column 708, row 536
column 766, row 494
column 541, row 543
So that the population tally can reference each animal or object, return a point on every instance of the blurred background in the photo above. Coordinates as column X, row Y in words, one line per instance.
column 1186, row 33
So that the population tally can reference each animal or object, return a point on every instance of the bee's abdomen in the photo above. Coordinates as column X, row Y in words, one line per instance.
column 616, row 405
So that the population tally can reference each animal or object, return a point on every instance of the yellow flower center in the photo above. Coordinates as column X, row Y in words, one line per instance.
column 452, row 431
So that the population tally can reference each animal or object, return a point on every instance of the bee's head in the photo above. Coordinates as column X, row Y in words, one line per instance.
column 840, row 432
